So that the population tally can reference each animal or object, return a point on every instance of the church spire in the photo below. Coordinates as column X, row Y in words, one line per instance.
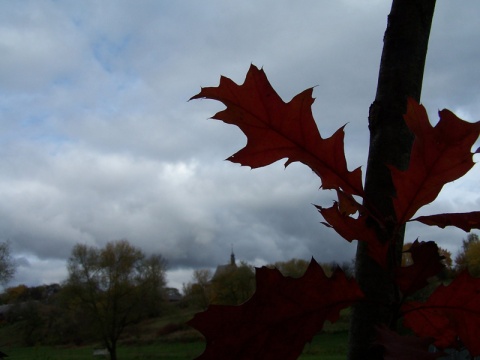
column 232, row 258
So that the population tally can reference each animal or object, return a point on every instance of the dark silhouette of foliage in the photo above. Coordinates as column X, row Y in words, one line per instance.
column 280, row 317
column 7, row 264
column 285, row 313
column 469, row 256
column 114, row 286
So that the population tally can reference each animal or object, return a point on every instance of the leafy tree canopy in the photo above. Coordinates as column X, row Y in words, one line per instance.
column 114, row 286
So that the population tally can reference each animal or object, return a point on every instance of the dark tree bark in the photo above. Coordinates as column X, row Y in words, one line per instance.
column 400, row 76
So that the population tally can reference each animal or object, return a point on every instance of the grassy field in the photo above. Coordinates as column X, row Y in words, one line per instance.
column 167, row 351
column 168, row 338
column 327, row 346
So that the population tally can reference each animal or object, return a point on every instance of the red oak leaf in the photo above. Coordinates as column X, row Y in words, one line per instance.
column 348, row 205
column 350, row 228
column 280, row 318
column 398, row 347
column 276, row 130
column 427, row 262
column 450, row 314
column 464, row 221
column 440, row 154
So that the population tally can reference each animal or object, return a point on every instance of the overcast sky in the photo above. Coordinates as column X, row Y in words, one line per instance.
column 98, row 141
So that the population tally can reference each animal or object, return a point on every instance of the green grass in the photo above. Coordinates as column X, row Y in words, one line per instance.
column 168, row 338
column 326, row 346
column 166, row 351
column 48, row 353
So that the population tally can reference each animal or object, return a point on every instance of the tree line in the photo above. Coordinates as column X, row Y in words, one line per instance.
column 237, row 284
column 107, row 289
column 110, row 288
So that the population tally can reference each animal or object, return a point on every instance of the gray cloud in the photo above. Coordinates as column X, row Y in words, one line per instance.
column 99, row 142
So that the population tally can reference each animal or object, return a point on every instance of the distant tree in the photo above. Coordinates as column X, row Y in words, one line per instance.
column 114, row 286
column 68, row 322
column 469, row 256
column 32, row 322
column 473, row 259
column 197, row 292
column 15, row 294
column 23, row 293
column 463, row 260
column 294, row 267
column 233, row 286
column 7, row 264
column 447, row 272
column 202, row 276
column 172, row 294
column 153, row 284
column 447, row 257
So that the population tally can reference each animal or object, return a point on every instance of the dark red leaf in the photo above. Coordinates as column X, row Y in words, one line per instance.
column 348, row 227
column 398, row 347
column 281, row 317
column 450, row 314
column 427, row 262
column 348, row 205
column 464, row 221
column 351, row 228
column 440, row 154
column 276, row 130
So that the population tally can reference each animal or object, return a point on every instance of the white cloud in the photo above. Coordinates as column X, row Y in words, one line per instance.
column 99, row 143
column 34, row 271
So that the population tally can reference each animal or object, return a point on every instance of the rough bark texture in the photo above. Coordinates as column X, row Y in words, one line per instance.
column 400, row 76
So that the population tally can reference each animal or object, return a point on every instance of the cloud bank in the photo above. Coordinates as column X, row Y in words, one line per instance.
column 99, row 141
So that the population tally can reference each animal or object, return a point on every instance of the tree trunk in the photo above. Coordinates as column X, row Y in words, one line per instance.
column 400, row 76
column 112, row 350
